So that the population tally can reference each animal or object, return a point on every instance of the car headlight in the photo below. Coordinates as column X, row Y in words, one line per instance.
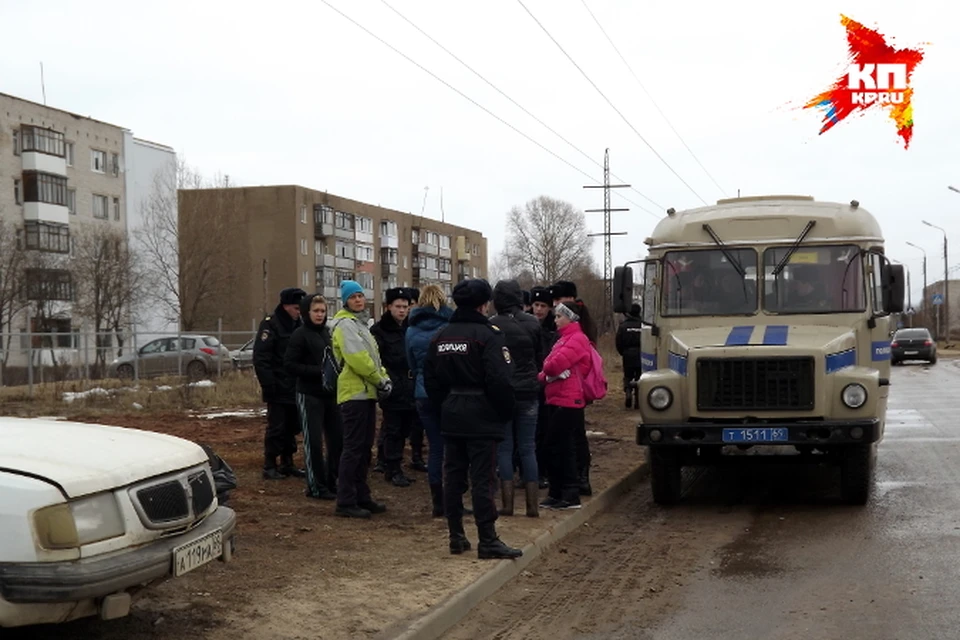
column 660, row 398
column 80, row 522
column 854, row 395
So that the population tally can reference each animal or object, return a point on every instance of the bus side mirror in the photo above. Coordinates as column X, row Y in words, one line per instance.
column 893, row 288
column 622, row 289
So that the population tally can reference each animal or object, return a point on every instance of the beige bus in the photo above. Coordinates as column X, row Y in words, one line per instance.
column 766, row 324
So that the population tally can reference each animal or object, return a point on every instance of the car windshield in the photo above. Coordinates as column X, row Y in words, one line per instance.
column 912, row 334
column 704, row 282
column 816, row 279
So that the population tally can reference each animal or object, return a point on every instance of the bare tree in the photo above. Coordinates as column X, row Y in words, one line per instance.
column 106, row 274
column 48, row 288
column 186, row 251
column 547, row 238
column 12, row 302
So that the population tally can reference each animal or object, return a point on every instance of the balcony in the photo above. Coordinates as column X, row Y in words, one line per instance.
column 322, row 230
column 444, row 253
column 324, row 260
column 446, row 277
column 428, row 249
column 426, row 274
column 387, row 270
column 349, row 234
column 364, row 237
column 368, row 293
column 44, row 163
column 331, row 292
column 43, row 212
column 344, row 263
column 389, row 242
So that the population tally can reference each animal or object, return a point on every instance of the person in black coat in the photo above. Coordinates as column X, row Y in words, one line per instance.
column 398, row 408
column 278, row 387
column 628, row 346
column 542, row 305
column 522, row 333
column 467, row 373
column 316, row 406
column 416, row 432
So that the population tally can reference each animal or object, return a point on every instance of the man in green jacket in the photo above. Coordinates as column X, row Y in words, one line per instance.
column 361, row 381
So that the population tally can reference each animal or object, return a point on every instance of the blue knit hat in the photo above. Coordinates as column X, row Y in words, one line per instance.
column 348, row 288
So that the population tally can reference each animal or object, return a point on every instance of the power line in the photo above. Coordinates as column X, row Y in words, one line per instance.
column 469, row 99
column 612, row 106
column 660, row 111
column 515, row 103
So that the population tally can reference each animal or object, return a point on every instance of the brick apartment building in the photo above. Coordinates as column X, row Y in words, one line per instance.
column 283, row 236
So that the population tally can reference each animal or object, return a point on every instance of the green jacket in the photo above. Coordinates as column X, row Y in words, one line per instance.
column 356, row 349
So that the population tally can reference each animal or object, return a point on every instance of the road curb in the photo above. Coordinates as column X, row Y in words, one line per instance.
column 442, row 616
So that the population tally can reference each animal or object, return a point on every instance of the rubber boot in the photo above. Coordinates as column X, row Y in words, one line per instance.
column 436, row 492
column 533, row 499
column 507, row 489
column 458, row 538
column 491, row 547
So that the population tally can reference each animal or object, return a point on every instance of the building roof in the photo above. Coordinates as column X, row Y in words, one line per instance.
column 69, row 113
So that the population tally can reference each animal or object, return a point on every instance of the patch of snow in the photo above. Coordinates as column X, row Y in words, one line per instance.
column 596, row 433
column 49, row 418
column 242, row 413
column 203, row 383
column 164, row 387
column 137, row 406
column 70, row 396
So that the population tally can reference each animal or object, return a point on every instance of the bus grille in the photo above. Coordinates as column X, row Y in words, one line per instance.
column 755, row 384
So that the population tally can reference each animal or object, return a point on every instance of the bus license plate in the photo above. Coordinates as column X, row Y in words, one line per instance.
column 197, row 553
column 766, row 434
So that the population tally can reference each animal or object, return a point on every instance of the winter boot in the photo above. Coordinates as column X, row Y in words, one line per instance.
column 491, row 547
column 394, row 475
column 533, row 496
column 287, row 468
column 458, row 539
column 507, row 489
column 585, row 488
column 270, row 471
column 629, row 398
column 436, row 492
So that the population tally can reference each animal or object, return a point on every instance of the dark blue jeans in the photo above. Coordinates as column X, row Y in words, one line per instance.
column 524, row 426
column 430, row 418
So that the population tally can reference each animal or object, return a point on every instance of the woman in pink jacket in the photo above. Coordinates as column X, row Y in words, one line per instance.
column 563, row 373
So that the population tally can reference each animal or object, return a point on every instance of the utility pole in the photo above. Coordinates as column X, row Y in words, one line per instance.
column 923, row 298
column 946, row 282
column 607, row 254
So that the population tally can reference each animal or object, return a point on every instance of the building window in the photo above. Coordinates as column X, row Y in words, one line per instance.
column 69, row 150
column 445, row 265
column 116, row 208
column 342, row 275
column 433, row 238
column 17, row 192
column 326, row 278
column 98, row 161
column 44, row 236
column 115, row 164
column 16, row 142
column 303, row 246
column 365, row 225
column 444, row 242
column 476, row 250
column 318, row 247
column 303, row 214
column 322, row 214
column 345, row 250
column 389, row 256
column 365, row 279
column 44, row 187
column 42, row 140
column 388, row 228
column 344, row 220
column 72, row 201
column 49, row 284
column 405, row 263
column 100, row 207
column 415, row 236
column 305, row 279
column 365, row 252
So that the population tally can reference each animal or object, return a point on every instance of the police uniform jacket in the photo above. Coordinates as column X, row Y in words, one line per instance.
column 390, row 338
column 278, row 385
column 468, row 373
column 628, row 340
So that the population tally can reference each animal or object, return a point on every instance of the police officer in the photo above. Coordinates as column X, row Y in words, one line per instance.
column 278, row 386
column 468, row 373
column 628, row 346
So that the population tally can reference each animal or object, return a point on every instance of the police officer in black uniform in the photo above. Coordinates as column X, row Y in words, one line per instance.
column 628, row 346
column 278, row 386
column 467, row 373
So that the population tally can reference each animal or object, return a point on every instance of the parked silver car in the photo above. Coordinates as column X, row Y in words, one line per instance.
column 243, row 357
column 194, row 355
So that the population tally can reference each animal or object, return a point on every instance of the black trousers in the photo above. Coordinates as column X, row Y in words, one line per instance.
column 395, row 428
column 562, row 444
column 630, row 372
column 543, row 452
column 416, row 438
column 477, row 460
column 359, row 421
column 581, row 444
column 283, row 424
column 319, row 422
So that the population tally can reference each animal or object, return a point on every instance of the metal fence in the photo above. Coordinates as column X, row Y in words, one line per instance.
column 28, row 358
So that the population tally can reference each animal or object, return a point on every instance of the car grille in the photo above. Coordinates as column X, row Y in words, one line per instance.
column 746, row 384
column 175, row 501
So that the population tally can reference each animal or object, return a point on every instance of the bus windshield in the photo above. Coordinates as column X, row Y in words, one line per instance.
column 816, row 279
column 705, row 283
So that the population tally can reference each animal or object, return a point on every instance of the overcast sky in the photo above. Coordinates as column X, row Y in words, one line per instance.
column 294, row 93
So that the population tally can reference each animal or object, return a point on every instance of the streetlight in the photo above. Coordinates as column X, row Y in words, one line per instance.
column 909, row 302
column 946, row 277
column 924, row 297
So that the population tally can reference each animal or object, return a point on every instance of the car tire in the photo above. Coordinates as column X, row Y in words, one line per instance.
column 196, row 370
column 666, row 479
column 856, row 473
column 933, row 360
column 125, row 372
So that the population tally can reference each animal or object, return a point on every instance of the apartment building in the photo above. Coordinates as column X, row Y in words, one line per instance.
column 284, row 236
column 61, row 172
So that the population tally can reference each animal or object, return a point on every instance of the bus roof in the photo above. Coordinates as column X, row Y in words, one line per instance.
column 767, row 219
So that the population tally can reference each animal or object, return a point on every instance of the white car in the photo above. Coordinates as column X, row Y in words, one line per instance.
column 90, row 513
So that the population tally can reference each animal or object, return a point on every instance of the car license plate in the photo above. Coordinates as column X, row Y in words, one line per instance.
column 910, row 353
column 197, row 553
column 766, row 434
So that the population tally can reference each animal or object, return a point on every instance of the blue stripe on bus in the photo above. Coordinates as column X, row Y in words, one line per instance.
column 739, row 336
column 841, row 360
column 775, row 335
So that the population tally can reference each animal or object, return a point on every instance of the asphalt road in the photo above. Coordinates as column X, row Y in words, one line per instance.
column 767, row 551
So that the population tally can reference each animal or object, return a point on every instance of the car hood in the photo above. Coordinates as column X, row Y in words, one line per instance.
column 823, row 338
column 87, row 458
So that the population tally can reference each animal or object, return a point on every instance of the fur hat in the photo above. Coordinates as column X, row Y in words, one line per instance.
column 291, row 295
column 470, row 294
column 541, row 294
column 563, row 289
column 398, row 293
column 635, row 310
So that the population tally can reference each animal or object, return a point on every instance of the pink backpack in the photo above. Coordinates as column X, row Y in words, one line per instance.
column 594, row 382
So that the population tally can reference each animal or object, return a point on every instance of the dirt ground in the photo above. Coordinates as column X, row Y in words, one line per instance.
column 300, row 572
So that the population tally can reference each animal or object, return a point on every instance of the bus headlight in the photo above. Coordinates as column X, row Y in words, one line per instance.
column 854, row 395
column 660, row 398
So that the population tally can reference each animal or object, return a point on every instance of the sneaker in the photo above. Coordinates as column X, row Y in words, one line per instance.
column 372, row 507
column 549, row 501
column 399, row 480
column 563, row 505
column 273, row 474
column 352, row 511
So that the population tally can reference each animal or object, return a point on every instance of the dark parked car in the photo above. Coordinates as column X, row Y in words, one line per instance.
column 913, row 344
